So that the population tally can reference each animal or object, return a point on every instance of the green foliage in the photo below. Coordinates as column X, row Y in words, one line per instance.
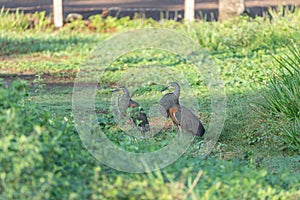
column 291, row 135
column 42, row 158
column 35, row 149
column 15, row 21
column 282, row 98
column 19, row 21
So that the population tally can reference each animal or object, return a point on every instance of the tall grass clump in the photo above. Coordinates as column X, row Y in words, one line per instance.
column 12, row 21
column 18, row 21
column 292, row 135
column 282, row 98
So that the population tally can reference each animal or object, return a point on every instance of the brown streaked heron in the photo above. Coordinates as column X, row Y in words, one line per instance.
column 131, row 108
column 179, row 114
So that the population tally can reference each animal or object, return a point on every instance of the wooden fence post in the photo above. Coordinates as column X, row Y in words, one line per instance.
column 189, row 10
column 58, row 13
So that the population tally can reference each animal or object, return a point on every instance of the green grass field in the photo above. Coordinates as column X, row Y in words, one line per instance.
column 256, row 156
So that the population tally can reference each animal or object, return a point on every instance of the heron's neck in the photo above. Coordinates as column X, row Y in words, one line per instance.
column 177, row 91
column 126, row 93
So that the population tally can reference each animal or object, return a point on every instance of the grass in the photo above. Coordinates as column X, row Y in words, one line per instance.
column 281, row 98
column 283, row 94
column 252, row 152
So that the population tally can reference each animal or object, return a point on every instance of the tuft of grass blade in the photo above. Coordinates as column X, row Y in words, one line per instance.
column 283, row 95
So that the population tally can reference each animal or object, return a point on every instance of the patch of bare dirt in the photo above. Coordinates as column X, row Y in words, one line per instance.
column 51, row 80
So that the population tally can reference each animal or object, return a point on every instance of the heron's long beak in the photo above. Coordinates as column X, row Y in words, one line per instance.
column 115, row 90
column 119, row 90
column 165, row 88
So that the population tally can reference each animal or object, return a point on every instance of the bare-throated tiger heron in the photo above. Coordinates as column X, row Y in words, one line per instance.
column 180, row 115
column 128, row 107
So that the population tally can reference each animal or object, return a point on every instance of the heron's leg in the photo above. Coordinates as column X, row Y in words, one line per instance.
column 180, row 130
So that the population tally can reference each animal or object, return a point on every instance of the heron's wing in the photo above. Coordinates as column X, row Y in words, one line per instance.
column 191, row 122
column 133, row 104
column 163, row 111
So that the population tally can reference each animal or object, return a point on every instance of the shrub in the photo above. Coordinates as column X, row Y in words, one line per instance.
column 35, row 149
